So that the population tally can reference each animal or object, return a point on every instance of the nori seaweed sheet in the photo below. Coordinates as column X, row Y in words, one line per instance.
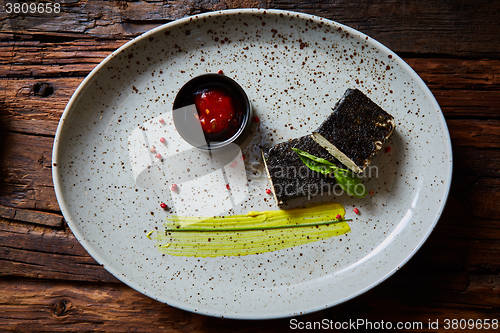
column 354, row 126
column 290, row 177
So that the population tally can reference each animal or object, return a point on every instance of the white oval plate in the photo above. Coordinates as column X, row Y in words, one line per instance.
column 294, row 67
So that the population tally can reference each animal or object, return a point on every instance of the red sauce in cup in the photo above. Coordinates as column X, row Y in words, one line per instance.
column 217, row 112
column 222, row 108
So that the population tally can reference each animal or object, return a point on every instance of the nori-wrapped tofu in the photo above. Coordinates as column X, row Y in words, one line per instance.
column 290, row 177
column 355, row 131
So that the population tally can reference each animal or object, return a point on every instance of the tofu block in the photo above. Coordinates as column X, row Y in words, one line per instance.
column 355, row 131
column 290, row 177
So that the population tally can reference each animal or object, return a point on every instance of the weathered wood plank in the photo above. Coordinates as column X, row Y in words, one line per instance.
column 56, row 306
column 26, row 172
column 474, row 133
column 431, row 27
column 470, row 161
column 27, row 110
column 31, row 113
column 77, row 57
column 462, row 240
column 16, row 51
column 463, row 87
column 30, row 126
column 455, row 73
column 457, row 28
column 468, row 103
column 53, row 59
column 488, row 204
column 37, row 252
column 32, row 216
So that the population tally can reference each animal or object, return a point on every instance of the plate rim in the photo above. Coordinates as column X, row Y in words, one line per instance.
column 194, row 18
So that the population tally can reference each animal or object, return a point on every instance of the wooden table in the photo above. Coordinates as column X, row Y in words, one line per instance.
column 48, row 282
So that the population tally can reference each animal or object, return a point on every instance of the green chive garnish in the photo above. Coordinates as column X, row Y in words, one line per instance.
column 284, row 226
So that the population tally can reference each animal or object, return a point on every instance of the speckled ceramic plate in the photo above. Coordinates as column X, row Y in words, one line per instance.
column 294, row 67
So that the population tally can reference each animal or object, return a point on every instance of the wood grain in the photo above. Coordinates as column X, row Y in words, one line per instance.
column 56, row 306
column 463, row 87
column 466, row 93
column 37, row 252
column 31, row 216
column 26, row 172
column 48, row 281
column 425, row 26
column 475, row 132
column 42, row 59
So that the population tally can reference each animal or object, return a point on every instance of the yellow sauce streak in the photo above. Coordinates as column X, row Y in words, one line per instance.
column 240, row 243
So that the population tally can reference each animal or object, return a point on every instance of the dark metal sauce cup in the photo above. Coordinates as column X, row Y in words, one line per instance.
column 186, row 118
